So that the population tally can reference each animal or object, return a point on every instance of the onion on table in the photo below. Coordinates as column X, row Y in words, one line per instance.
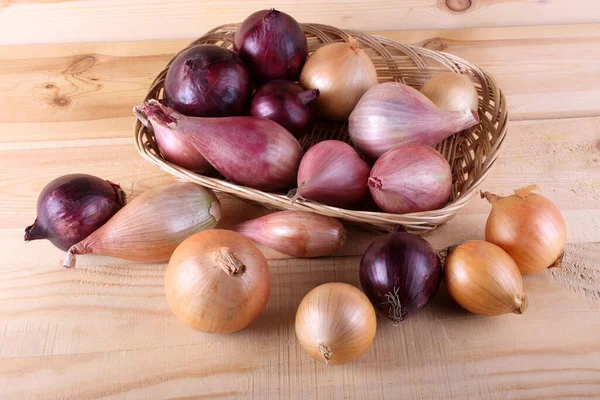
column 152, row 225
column 71, row 207
column 217, row 281
column 296, row 233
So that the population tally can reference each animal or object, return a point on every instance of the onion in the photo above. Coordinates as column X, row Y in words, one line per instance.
column 332, row 173
column 484, row 280
column 529, row 227
column 409, row 179
column 343, row 73
column 272, row 44
column 296, row 233
column 208, row 81
column 71, row 207
column 217, row 281
column 152, row 225
column 335, row 323
column 400, row 273
column 393, row 114
column 250, row 151
column 286, row 103
column 451, row 92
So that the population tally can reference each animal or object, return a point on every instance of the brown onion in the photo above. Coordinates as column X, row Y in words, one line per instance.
column 451, row 92
column 393, row 114
column 411, row 178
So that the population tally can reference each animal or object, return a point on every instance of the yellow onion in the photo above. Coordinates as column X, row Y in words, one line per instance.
column 529, row 227
column 343, row 73
column 484, row 280
column 335, row 323
column 451, row 92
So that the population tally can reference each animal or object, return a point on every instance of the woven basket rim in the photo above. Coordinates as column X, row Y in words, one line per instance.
column 419, row 222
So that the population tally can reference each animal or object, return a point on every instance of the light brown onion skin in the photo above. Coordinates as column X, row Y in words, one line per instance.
column 530, row 229
column 392, row 114
column 335, row 323
column 410, row 179
column 332, row 173
column 296, row 233
column 212, row 293
column 343, row 73
column 452, row 92
column 483, row 279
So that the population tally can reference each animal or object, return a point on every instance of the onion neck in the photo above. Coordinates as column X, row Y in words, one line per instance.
column 121, row 196
column 353, row 44
column 490, row 197
column 521, row 303
column 307, row 96
column 77, row 248
column 526, row 191
column 325, row 352
column 229, row 263
column 375, row 183
column 34, row 232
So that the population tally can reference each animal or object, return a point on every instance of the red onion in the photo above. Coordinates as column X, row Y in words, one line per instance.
column 332, row 173
column 411, row 178
column 72, row 207
column 250, row 151
column 393, row 114
column 400, row 273
column 208, row 81
column 272, row 44
column 286, row 103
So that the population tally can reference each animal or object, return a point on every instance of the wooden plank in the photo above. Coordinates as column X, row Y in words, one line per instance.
column 51, row 21
column 105, row 331
column 87, row 90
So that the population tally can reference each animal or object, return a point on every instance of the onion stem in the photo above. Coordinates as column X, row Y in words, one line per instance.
column 229, row 263
column 325, row 352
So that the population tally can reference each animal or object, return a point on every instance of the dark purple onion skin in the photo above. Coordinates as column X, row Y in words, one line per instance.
column 272, row 44
column 286, row 103
column 208, row 81
column 73, row 206
column 400, row 273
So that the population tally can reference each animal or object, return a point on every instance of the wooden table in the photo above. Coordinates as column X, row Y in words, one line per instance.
column 104, row 330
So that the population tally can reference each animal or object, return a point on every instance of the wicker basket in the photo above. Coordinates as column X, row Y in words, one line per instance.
column 471, row 153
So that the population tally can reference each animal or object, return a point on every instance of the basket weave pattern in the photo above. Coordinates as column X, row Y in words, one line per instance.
column 470, row 153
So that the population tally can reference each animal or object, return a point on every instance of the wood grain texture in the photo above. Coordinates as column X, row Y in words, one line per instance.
column 51, row 21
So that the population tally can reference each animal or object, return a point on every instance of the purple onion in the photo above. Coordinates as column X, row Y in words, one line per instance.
column 71, row 207
column 286, row 103
column 272, row 44
column 208, row 81
column 400, row 273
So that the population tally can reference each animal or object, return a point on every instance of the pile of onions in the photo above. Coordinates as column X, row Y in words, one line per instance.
column 451, row 92
column 272, row 44
column 296, row 233
column 484, row 280
column 529, row 227
column 343, row 73
column 72, row 207
column 250, row 151
column 332, row 173
column 217, row 281
column 393, row 114
column 335, row 323
column 208, row 81
column 152, row 225
column 286, row 103
column 409, row 179
column 400, row 273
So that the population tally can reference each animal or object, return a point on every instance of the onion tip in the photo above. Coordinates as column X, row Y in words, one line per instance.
column 526, row 191
column 375, row 183
column 32, row 232
column 522, row 302
column 293, row 195
column 490, row 197
column 558, row 262
column 230, row 263
column 69, row 261
column 308, row 95
column 325, row 352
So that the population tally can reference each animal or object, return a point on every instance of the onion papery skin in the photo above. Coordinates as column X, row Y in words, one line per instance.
column 400, row 273
column 452, row 92
column 272, row 44
column 411, row 178
column 208, row 81
column 72, row 207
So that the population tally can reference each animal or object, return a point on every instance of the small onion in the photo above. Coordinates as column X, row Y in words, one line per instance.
column 343, row 73
column 529, row 227
column 217, row 281
column 411, row 178
column 335, row 323
column 73, row 206
column 400, row 273
column 296, row 233
column 451, row 92
column 332, row 173
column 392, row 114
column 484, row 280
column 272, row 44
column 286, row 103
